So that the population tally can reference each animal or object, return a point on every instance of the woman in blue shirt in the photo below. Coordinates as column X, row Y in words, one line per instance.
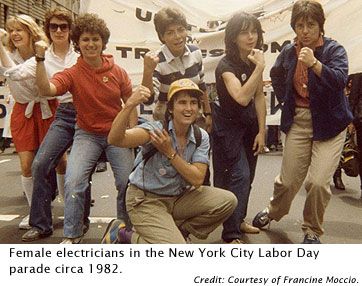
column 165, row 200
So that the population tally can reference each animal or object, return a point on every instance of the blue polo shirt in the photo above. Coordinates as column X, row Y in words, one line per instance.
column 158, row 176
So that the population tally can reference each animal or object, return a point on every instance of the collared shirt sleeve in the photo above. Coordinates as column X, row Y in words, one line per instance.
column 22, row 71
column 201, row 154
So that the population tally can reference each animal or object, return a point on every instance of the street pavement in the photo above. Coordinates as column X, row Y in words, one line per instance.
column 343, row 218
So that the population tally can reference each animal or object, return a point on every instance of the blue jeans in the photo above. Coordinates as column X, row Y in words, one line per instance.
column 87, row 147
column 57, row 140
column 235, row 175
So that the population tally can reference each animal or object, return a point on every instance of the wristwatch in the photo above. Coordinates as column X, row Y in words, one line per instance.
column 172, row 156
column 39, row 59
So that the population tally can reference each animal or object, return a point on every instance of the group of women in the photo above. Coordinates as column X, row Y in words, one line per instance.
column 309, row 77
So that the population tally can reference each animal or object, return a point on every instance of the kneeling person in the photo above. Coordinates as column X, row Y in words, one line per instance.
column 165, row 199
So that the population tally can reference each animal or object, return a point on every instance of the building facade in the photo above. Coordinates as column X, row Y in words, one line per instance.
column 34, row 8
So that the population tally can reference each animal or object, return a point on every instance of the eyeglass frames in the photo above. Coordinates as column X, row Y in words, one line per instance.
column 54, row 27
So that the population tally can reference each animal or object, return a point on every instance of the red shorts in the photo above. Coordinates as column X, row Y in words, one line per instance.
column 28, row 133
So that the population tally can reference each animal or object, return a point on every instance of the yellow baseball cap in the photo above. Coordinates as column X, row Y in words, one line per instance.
column 183, row 84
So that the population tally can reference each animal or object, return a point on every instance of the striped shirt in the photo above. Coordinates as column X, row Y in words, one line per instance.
column 171, row 68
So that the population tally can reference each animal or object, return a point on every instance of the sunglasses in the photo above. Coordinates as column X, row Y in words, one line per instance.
column 54, row 27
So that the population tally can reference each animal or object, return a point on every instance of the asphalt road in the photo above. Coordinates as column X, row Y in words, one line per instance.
column 343, row 218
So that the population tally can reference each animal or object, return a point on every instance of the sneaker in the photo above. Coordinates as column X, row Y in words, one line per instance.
column 247, row 228
column 111, row 234
column 234, row 241
column 311, row 238
column 101, row 167
column 24, row 224
column 262, row 219
column 124, row 236
column 75, row 240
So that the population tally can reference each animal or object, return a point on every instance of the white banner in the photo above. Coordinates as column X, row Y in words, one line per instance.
column 133, row 33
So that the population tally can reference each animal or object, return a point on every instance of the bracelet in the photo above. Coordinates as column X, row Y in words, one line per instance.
column 172, row 156
column 39, row 59
column 207, row 114
column 314, row 63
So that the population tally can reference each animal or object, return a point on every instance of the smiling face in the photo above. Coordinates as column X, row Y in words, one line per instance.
column 19, row 35
column 307, row 31
column 185, row 108
column 90, row 45
column 175, row 39
column 59, row 31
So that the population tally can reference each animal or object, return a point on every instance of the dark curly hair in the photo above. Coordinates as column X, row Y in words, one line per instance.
column 166, row 17
column 89, row 23
column 59, row 13
column 239, row 22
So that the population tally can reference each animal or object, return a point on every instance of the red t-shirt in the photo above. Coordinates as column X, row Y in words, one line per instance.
column 97, row 93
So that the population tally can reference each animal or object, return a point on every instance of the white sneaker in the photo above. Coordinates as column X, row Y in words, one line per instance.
column 76, row 240
column 24, row 224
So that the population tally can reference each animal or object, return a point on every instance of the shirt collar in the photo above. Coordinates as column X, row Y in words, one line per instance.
column 169, row 56
column 190, row 134
column 51, row 50
column 320, row 43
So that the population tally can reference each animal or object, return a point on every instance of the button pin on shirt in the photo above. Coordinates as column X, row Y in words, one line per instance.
column 162, row 171
column 105, row 79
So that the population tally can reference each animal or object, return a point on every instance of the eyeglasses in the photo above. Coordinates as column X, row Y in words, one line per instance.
column 54, row 27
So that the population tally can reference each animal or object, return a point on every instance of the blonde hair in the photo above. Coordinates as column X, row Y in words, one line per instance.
column 35, row 32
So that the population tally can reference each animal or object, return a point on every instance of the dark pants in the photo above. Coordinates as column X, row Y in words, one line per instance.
column 358, row 126
column 235, row 175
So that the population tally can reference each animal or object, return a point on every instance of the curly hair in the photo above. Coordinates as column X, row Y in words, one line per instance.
column 166, row 17
column 59, row 13
column 35, row 32
column 89, row 23
column 308, row 9
column 240, row 22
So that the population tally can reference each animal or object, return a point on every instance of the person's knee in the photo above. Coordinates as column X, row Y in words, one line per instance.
column 314, row 185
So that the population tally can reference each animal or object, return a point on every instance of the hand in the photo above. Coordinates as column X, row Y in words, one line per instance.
column 351, row 128
column 306, row 56
column 140, row 95
column 257, row 57
column 150, row 61
column 3, row 33
column 162, row 141
column 259, row 143
column 208, row 123
column 40, row 48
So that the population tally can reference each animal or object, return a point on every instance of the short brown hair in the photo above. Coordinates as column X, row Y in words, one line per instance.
column 308, row 9
column 166, row 17
column 89, row 23
column 59, row 13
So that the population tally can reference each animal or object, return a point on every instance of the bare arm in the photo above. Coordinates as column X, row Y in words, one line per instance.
column 192, row 173
column 243, row 94
column 119, row 135
column 260, row 108
column 46, row 88
column 150, row 62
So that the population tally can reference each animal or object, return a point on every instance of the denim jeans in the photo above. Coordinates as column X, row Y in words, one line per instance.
column 57, row 140
column 87, row 147
column 235, row 175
